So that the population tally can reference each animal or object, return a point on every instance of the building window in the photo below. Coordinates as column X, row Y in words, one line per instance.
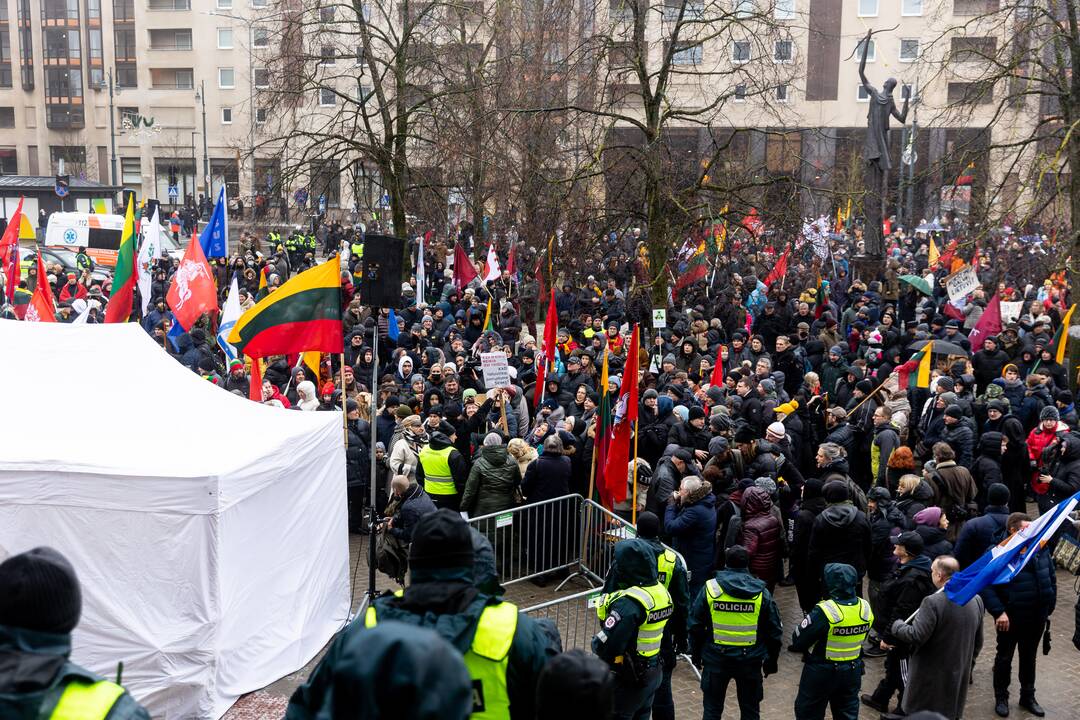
column 226, row 78
column 327, row 97
column 127, row 75
column 971, row 93
column 905, row 92
column 127, row 115
column 974, row 7
column 909, row 50
column 327, row 55
column 169, row 4
column 326, row 14
column 224, row 39
column 870, row 50
column 7, row 117
column 9, row 164
column 744, row 8
column 782, row 51
column 124, row 40
column 973, row 49
column 740, row 92
column 782, row 92
column 686, row 55
column 131, row 171
column 868, row 8
column 258, row 3
column 261, row 77
column 226, row 116
column 93, row 9
column 224, row 4
column 740, row 51
column 784, row 10
column 863, row 95
column 260, row 37
column 260, row 116
column 910, row 7
column 94, row 36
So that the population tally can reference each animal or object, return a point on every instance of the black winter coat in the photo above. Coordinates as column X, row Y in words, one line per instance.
column 1031, row 595
column 901, row 595
column 978, row 534
column 961, row 437
column 841, row 534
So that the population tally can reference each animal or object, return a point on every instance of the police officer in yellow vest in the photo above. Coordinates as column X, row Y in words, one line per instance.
column 632, row 620
column 671, row 572
column 830, row 638
column 735, row 634
column 40, row 604
column 442, row 471
column 503, row 650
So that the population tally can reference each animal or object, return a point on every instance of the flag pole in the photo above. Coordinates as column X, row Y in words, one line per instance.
column 344, row 404
column 633, row 497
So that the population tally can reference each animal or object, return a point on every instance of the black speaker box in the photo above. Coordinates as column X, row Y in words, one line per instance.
column 383, row 271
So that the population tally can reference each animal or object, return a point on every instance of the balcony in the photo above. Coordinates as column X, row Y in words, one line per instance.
column 172, row 79
column 168, row 5
column 170, row 40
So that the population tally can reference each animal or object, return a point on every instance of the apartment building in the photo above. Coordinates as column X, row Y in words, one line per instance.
column 154, row 95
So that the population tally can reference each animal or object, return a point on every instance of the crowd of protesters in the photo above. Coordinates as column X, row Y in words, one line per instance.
column 808, row 465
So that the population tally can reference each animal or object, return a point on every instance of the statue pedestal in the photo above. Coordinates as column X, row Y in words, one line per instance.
column 867, row 268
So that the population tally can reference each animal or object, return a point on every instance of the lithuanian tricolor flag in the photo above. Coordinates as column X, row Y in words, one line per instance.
column 123, row 286
column 263, row 290
column 302, row 315
column 488, row 325
column 916, row 371
column 1061, row 337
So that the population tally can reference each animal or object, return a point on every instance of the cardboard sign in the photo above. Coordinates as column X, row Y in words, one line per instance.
column 1010, row 311
column 962, row 283
column 496, row 370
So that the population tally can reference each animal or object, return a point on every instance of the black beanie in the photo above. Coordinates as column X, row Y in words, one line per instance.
column 865, row 386
column 575, row 684
column 441, row 540
column 954, row 411
column 835, row 492
column 40, row 591
column 696, row 413
column 997, row 494
column 648, row 525
column 736, row 557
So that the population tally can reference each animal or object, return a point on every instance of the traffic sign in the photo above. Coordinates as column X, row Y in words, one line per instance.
column 174, row 192
column 63, row 185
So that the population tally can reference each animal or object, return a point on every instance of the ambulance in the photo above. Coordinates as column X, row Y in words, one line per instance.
column 99, row 234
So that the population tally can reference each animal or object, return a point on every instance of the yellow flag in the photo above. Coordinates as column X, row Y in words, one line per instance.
column 1063, row 335
column 312, row 359
column 933, row 253
column 922, row 377
column 847, row 213
column 26, row 230
column 604, row 376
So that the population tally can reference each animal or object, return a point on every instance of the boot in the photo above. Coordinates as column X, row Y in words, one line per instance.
column 1029, row 703
column 871, row 702
column 1001, row 707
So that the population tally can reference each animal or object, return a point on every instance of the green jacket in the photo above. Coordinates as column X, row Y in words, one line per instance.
column 492, row 480
column 34, row 669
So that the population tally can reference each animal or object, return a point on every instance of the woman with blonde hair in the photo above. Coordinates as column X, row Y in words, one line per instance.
column 522, row 452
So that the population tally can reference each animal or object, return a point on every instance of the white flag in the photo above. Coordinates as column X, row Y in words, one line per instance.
column 230, row 313
column 420, row 274
column 491, row 265
column 149, row 251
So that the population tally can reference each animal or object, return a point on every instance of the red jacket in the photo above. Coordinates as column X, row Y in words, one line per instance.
column 1037, row 441
column 67, row 294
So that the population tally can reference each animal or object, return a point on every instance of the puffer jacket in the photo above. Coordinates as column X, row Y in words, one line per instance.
column 494, row 477
column 844, row 436
column 841, row 534
column 977, row 535
column 935, row 540
column 761, row 535
column 961, row 437
column 986, row 470
column 1066, row 475
column 692, row 527
column 1032, row 594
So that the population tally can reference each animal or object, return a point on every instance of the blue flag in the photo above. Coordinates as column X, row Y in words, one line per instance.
column 392, row 329
column 175, row 331
column 215, row 236
column 1003, row 562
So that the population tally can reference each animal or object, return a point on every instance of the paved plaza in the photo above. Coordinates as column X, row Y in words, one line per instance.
column 1059, row 672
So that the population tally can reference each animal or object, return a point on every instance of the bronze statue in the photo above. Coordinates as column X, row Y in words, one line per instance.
column 876, row 152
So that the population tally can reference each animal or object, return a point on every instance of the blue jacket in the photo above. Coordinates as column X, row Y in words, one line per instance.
column 692, row 528
column 977, row 535
column 1031, row 595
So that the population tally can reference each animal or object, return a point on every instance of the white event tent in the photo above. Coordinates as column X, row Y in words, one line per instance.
column 208, row 531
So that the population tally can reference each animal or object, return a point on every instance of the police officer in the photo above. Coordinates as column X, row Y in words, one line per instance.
column 735, row 634
column 504, row 651
column 442, row 471
column 671, row 573
column 83, row 261
column 830, row 638
column 40, row 604
column 633, row 620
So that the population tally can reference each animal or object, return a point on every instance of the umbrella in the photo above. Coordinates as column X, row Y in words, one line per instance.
column 918, row 283
column 941, row 347
column 932, row 226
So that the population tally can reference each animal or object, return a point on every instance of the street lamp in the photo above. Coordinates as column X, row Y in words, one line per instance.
column 200, row 95
column 194, row 165
column 112, row 128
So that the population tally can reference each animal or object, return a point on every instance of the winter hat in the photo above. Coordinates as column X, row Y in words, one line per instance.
column 393, row 401
column 469, row 393
column 946, row 383
column 929, row 516
column 766, row 483
column 351, row 405
column 997, row 494
column 1049, row 413
column 648, row 525
column 954, row 412
column 380, row 446
column 911, row 541
column 736, row 558
column 669, row 358
column 865, row 387
column 206, row 364
column 999, row 404
column 745, row 434
column 40, row 591
column 718, row 445
column 768, row 385
column 412, row 421
column 878, row 494
column 650, row 393
column 949, row 398
column 787, row 408
column 402, row 412
column 441, row 540
column 682, row 411
column 1064, row 397
column 775, row 431
column 835, row 492
column 836, row 350
column 696, row 413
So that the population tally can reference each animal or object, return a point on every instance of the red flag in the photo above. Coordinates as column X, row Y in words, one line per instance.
column 551, row 337
column 779, row 269
column 464, row 270
column 511, row 259
column 717, row 378
column 9, row 252
column 752, row 222
column 989, row 323
column 626, row 412
column 255, row 383
column 193, row 290
column 951, row 311
column 41, row 304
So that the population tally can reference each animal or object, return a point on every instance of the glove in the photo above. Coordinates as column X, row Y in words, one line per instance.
column 769, row 668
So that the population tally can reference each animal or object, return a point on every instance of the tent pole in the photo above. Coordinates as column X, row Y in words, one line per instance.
column 374, row 417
